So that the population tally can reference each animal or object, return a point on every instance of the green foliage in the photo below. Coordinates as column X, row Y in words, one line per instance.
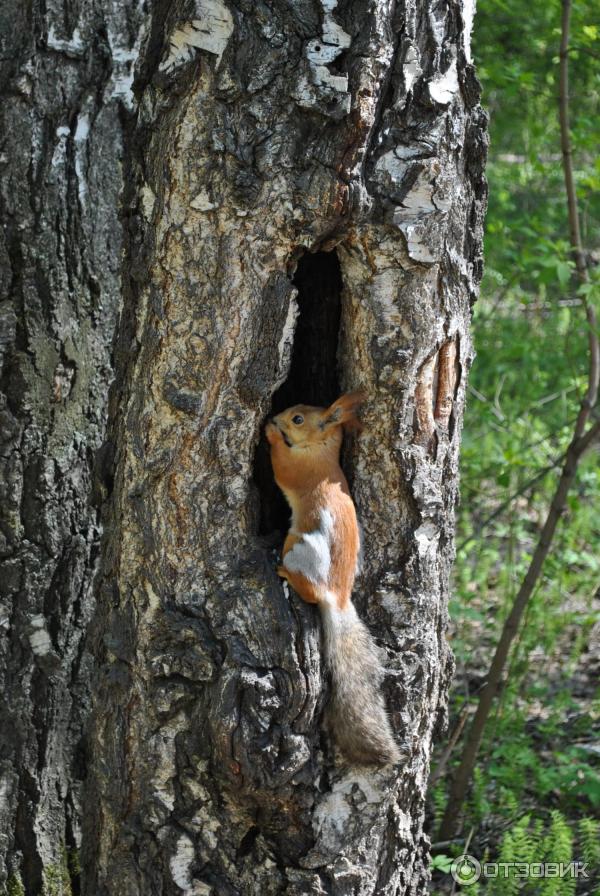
column 14, row 886
column 589, row 836
column 547, row 841
column 528, row 842
column 57, row 878
column 525, row 388
column 519, row 844
column 517, row 56
column 438, row 799
column 441, row 863
column 558, row 846
column 73, row 864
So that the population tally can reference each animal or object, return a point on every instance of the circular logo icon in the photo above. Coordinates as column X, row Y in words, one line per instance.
column 466, row 870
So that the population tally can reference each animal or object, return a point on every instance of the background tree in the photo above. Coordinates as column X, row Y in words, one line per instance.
column 65, row 76
column 298, row 190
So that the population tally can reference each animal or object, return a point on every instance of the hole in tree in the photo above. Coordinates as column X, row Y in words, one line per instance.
column 312, row 378
column 313, row 375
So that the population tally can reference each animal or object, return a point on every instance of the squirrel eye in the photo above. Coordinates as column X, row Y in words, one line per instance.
column 297, row 419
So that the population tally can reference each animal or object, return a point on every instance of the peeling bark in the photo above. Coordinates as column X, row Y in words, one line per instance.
column 295, row 129
column 302, row 202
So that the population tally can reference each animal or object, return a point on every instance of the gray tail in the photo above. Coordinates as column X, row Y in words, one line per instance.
column 357, row 713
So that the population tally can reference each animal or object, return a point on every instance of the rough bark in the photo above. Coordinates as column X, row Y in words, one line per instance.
column 265, row 132
column 303, row 198
column 64, row 84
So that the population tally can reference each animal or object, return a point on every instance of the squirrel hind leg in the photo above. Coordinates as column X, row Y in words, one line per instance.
column 306, row 589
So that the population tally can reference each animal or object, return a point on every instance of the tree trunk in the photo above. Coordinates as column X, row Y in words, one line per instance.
column 303, row 195
column 64, row 86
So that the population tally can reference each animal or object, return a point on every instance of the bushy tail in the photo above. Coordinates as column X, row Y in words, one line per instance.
column 357, row 713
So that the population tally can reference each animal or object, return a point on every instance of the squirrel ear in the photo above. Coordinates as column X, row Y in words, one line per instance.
column 343, row 411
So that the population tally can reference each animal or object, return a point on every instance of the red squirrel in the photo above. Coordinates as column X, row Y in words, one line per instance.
column 320, row 559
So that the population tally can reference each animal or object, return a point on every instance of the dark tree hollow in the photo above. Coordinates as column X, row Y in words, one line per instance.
column 313, row 376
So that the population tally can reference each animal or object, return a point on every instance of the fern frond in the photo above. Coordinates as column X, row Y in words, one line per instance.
column 558, row 847
column 589, row 840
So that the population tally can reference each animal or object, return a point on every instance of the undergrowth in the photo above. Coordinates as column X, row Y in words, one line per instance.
column 535, row 796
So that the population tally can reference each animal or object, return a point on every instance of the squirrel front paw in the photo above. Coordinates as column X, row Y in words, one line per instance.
column 282, row 572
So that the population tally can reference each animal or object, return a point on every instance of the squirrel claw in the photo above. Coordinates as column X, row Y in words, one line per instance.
column 282, row 572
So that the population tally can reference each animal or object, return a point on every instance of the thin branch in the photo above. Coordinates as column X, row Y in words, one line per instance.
column 445, row 757
column 577, row 48
column 592, row 435
column 565, row 140
column 574, row 229
column 511, row 626
column 502, row 507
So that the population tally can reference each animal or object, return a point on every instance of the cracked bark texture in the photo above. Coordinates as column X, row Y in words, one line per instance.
column 258, row 143
column 64, row 84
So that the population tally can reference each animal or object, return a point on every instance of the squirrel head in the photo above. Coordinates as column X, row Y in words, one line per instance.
column 306, row 427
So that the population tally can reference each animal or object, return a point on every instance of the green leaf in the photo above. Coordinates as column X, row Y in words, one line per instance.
column 563, row 272
column 441, row 863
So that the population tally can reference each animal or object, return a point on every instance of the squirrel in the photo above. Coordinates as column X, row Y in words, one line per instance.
column 320, row 559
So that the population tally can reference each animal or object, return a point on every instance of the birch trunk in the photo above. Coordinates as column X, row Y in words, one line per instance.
column 299, row 190
column 65, row 99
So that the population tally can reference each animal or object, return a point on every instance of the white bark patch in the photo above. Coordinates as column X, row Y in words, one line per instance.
column 320, row 53
column 148, row 201
column 83, row 128
column 389, row 600
column 338, row 806
column 437, row 23
column 469, row 7
column 202, row 202
column 180, row 864
column 39, row 638
column 404, row 822
column 443, row 89
column 286, row 341
column 420, row 198
column 162, row 749
column 411, row 68
column 4, row 618
column 58, row 156
column 385, row 293
column 81, row 135
column 124, row 59
column 425, row 195
column 154, row 602
column 210, row 31
column 123, row 74
column 392, row 167
column 73, row 47
column 427, row 537
column 416, row 236
column 210, row 830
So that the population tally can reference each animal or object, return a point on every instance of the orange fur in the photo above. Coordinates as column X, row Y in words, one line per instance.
column 305, row 458
column 319, row 561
